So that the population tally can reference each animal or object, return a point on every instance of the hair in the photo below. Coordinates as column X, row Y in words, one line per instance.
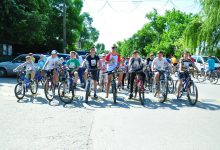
column 73, row 52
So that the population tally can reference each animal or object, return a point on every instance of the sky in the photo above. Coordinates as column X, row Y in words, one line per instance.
column 117, row 20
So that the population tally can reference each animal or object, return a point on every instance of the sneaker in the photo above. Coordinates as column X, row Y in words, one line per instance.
column 95, row 96
column 130, row 96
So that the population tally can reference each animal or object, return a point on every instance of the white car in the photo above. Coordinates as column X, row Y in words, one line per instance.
column 200, row 61
column 6, row 68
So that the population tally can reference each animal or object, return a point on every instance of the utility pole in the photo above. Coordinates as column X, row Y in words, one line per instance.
column 64, row 26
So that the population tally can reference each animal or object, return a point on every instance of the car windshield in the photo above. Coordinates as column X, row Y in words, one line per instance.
column 206, row 58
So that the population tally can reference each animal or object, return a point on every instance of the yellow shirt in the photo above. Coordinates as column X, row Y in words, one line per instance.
column 174, row 61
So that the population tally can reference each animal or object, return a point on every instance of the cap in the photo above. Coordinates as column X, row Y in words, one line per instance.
column 103, row 54
column 54, row 52
column 28, row 56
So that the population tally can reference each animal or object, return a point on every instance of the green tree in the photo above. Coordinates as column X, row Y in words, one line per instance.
column 89, row 34
column 204, row 31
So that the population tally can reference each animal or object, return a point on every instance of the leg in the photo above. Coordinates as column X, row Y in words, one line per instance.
column 76, row 77
column 132, row 77
column 108, row 85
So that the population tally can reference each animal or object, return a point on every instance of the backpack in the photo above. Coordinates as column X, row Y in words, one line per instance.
column 132, row 61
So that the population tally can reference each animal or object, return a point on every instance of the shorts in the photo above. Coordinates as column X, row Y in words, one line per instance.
column 174, row 64
column 182, row 75
column 94, row 74
column 72, row 74
column 103, row 75
column 52, row 71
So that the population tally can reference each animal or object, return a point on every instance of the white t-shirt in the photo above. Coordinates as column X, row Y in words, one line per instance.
column 52, row 63
column 112, row 65
column 159, row 64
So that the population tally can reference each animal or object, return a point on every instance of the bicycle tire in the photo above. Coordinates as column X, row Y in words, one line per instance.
column 22, row 91
column 192, row 101
column 114, row 92
column 62, row 92
column 200, row 76
column 51, row 88
column 164, row 93
column 214, row 77
column 171, row 86
column 34, row 91
column 141, row 93
column 87, row 91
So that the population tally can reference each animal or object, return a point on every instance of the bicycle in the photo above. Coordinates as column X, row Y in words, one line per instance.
column 139, row 87
column 102, row 83
column 49, row 86
column 149, row 80
column 22, row 87
column 188, row 87
column 162, row 86
column 39, row 77
column 89, row 84
column 170, row 81
column 212, row 76
column 66, row 90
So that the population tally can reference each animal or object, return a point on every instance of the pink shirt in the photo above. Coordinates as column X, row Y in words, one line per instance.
column 102, row 65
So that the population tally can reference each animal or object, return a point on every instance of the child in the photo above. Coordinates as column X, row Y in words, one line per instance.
column 29, row 65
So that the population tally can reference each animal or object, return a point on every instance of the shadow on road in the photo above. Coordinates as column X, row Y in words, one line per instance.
column 78, row 102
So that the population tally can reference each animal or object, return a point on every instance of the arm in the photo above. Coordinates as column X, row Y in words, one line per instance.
column 45, row 65
column 107, row 59
column 153, row 65
column 20, row 66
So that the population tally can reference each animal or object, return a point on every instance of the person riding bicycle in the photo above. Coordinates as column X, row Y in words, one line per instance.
column 148, row 66
column 73, row 66
column 211, row 65
column 135, row 68
column 52, row 65
column 112, row 60
column 184, row 65
column 159, row 64
column 92, row 62
column 29, row 68
column 124, row 69
column 102, row 66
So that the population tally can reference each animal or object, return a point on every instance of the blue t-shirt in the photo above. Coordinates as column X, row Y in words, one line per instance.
column 211, row 64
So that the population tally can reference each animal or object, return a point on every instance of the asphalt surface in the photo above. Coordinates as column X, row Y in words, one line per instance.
column 33, row 123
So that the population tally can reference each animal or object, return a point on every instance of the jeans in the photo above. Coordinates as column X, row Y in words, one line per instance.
column 80, row 73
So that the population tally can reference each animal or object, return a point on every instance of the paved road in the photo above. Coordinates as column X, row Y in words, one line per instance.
column 32, row 123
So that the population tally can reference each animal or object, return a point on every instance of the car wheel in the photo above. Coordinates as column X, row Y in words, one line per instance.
column 3, row 72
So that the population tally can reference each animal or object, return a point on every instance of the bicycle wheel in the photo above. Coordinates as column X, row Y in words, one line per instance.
column 49, row 90
column 34, row 87
column 65, row 93
column 200, row 76
column 19, row 91
column 163, row 90
column 192, row 93
column 114, row 92
column 175, row 86
column 88, row 84
column 102, row 84
column 141, row 93
column 170, row 85
column 213, row 78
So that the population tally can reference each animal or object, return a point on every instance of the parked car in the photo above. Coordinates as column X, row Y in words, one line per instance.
column 6, row 68
column 201, row 60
